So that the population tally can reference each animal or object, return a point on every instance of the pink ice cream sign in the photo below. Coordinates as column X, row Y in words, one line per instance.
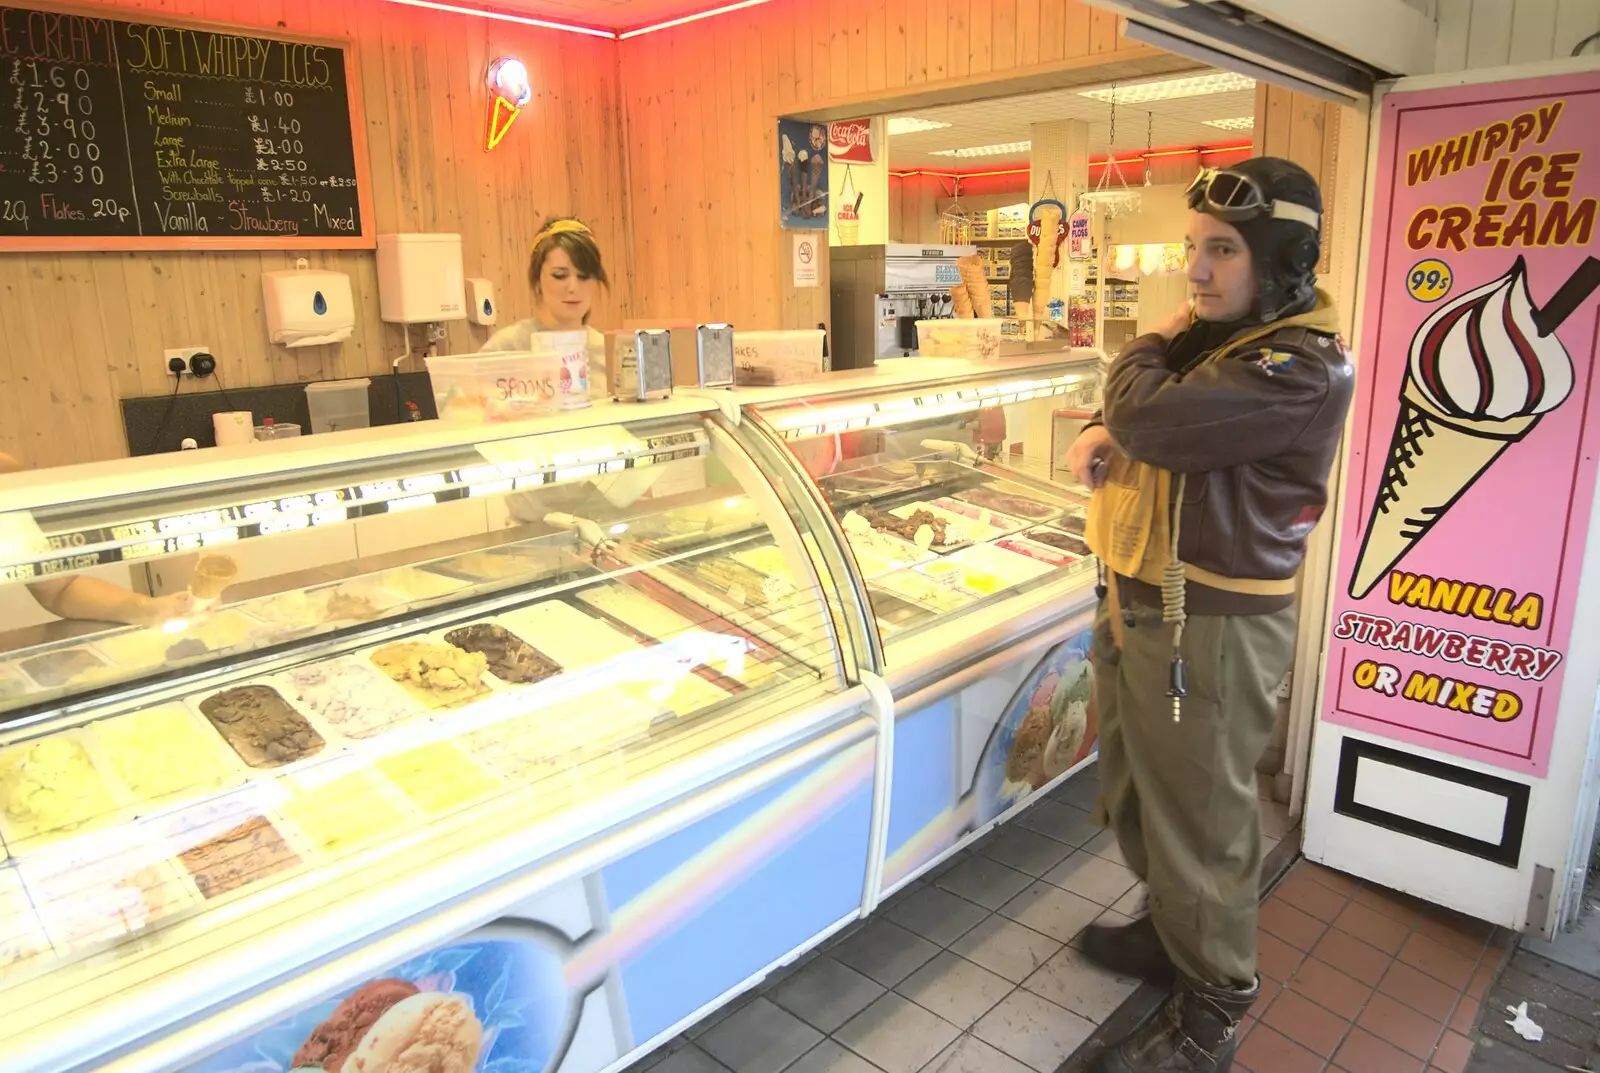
column 1476, row 421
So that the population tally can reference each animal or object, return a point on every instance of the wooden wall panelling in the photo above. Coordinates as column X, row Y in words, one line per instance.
column 1489, row 39
column 856, row 45
column 980, row 37
column 876, row 50
column 897, row 44
column 1080, row 20
column 960, row 43
column 1027, row 32
column 1052, row 29
column 937, row 68
column 1006, row 24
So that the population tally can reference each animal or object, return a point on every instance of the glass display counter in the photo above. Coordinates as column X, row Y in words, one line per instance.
column 548, row 713
column 381, row 658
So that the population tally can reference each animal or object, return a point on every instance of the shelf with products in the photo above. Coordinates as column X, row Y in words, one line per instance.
column 602, row 606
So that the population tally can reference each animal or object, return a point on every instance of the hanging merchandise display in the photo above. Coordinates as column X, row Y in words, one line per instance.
column 955, row 223
column 1112, row 196
column 849, row 217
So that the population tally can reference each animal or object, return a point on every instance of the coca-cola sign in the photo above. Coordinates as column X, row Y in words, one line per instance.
column 850, row 141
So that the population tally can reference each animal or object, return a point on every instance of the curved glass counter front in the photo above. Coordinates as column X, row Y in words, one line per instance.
column 938, row 475
column 391, row 663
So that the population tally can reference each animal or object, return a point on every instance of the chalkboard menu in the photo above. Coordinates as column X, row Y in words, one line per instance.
column 136, row 135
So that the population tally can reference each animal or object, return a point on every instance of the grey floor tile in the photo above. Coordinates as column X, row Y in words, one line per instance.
column 1093, row 877
column 1006, row 948
column 1105, row 845
column 1064, row 823
column 830, row 1057
column 1073, row 982
column 885, row 952
column 1026, row 851
column 688, row 1058
column 969, row 1054
column 1134, row 903
column 825, row 994
column 1081, row 791
column 1110, row 919
column 937, row 915
column 953, row 861
column 897, row 1035
column 1033, row 1030
column 955, row 989
column 760, row 1038
column 1052, row 911
column 989, row 883
column 717, row 1016
column 1267, row 846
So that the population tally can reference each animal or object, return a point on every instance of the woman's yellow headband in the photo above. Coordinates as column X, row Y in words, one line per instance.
column 560, row 227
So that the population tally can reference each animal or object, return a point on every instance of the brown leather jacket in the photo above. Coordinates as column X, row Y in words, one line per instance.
column 1256, row 433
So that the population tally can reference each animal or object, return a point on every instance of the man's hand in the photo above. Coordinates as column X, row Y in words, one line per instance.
column 1178, row 323
column 1092, row 446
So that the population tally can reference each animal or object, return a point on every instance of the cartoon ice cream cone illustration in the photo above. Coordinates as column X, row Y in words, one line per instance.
column 1483, row 370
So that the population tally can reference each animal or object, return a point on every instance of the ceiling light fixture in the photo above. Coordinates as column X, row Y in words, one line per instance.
column 1244, row 122
column 1172, row 88
column 905, row 124
column 999, row 149
column 696, row 17
column 500, row 16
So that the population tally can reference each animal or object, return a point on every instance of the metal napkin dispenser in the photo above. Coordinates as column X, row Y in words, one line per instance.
column 714, row 348
column 640, row 365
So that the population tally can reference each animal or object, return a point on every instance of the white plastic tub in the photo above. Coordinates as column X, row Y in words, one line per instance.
column 338, row 404
column 783, row 357
column 499, row 386
column 973, row 338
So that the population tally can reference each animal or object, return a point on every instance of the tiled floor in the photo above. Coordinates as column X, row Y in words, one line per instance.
column 1360, row 979
column 972, row 969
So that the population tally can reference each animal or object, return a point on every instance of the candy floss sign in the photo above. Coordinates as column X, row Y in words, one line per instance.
column 1476, row 419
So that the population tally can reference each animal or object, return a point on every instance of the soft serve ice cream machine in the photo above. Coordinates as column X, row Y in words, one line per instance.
column 879, row 294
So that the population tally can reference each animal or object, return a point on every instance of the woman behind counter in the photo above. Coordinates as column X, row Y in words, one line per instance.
column 567, row 273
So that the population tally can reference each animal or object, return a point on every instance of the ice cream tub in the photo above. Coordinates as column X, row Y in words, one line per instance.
column 1043, row 553
column 929, row 593
column 347, row 696
column 95, row 893
column 1009, row 503
column 1059, row 539
column 51, row 788
column 985, row 569
column 431, row 671
column 342, row 805
column 202, row 635
column 59, row 667
column 964, row 524
column 163, row 753
column 23, row 943
column 512, row 660
column 437, row 777
column 259, row 724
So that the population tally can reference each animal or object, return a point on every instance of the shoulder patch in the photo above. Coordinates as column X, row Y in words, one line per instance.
column 1274, row 360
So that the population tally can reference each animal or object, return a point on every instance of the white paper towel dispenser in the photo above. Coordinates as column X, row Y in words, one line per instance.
column 420, row 279
column 308, row 307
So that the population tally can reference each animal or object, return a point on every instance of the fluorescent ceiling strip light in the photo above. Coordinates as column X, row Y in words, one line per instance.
column 1244, row 122
column 501, row 16
column 905, row 124
column 1172, row 88
column 986, row 150
column 670, row 23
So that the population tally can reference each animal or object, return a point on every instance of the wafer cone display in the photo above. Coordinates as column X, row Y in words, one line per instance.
column 1483, row 370
column 958, row 294
column 976, row 283
column 1044, row 256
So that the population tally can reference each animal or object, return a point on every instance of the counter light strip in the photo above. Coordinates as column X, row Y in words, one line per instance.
column 918, row 408
column 502, row 16
column 142, row 539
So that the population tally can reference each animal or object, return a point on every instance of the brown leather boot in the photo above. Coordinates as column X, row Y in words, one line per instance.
column 1129, row 950
column 1192, row 1033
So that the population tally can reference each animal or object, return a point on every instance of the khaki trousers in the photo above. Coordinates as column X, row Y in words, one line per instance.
column 1181, row 796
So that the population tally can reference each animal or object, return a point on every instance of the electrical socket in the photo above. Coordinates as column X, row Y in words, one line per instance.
column 183, row 354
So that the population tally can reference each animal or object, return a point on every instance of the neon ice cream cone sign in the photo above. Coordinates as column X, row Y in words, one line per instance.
column 1483, row 370
column 509, row 89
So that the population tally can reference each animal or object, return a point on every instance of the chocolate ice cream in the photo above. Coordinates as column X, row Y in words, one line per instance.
column 261, row 726
column 1061, row 541
column 1028, row 743
column 335, row 1039
column 511, row 659
column 251, row 851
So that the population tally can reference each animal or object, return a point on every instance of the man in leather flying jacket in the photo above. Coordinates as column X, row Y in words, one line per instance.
column 1210, row 463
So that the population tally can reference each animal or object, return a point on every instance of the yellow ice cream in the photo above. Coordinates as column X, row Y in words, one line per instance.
column 341, row 813
column 50, row 785
column 163, row 751
column 436, row 776
column 21, row 936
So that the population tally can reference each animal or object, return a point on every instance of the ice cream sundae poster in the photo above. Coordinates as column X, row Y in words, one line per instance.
column 1476, row 421
column 802, row 175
